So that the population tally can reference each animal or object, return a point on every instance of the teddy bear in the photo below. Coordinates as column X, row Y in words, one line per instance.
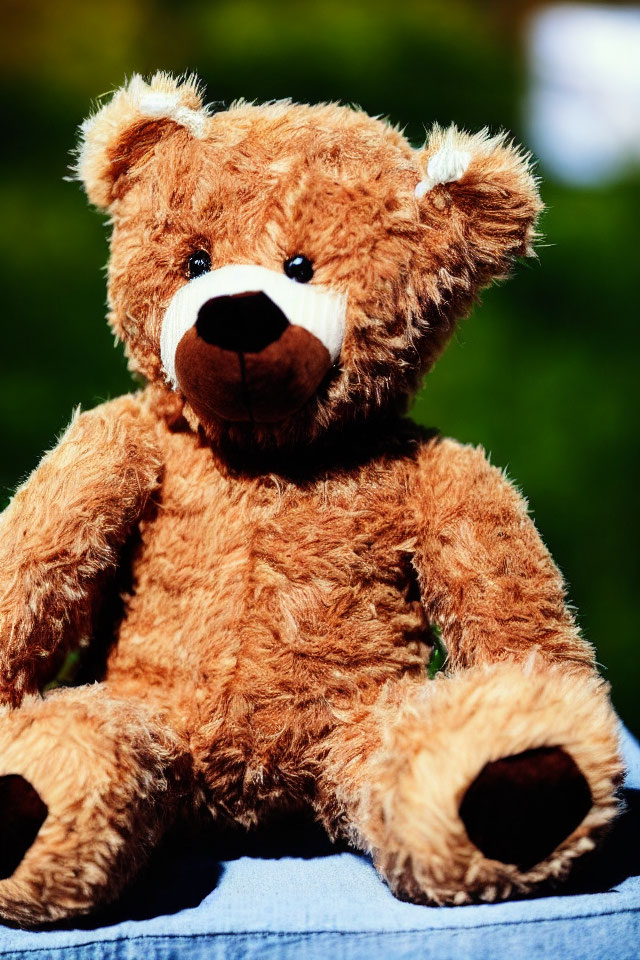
column 259, row 549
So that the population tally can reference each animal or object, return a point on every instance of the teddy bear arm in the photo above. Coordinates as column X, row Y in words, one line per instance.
column 487, row 579
column 63, row 531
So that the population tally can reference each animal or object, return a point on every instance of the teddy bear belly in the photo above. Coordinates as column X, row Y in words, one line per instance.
column 259, row 608
column 253, row 682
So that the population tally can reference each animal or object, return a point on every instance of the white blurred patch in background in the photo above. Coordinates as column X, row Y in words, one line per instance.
column 584, row 103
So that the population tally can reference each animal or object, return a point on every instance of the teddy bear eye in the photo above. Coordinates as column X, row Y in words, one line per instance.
column 198, row 263
column 299, row 268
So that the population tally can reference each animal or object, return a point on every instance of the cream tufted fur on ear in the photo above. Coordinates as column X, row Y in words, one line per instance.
column 447, row 162
column 483, row 186
column 450, row 152
column 107, row 137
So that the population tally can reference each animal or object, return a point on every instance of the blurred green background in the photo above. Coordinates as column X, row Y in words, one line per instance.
column 541, row 374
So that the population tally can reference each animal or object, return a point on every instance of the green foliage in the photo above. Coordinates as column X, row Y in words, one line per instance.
column 541, row 375
column 438, row 659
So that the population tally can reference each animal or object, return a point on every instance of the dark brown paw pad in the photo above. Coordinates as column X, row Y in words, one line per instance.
column 22, row 813
column 520, row 808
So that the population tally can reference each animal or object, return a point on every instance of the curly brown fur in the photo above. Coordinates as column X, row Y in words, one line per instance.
column 282, row 578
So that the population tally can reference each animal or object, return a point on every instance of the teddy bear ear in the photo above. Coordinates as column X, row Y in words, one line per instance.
column 121, row 133
column 485, row 187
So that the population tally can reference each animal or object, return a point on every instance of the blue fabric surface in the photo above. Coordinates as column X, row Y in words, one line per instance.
column 292, row 895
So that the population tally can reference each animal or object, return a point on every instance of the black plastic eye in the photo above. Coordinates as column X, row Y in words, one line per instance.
column 198, row 263
column 299, row 268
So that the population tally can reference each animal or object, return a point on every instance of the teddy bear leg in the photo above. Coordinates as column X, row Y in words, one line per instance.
column 479, row 785
column 87, row 785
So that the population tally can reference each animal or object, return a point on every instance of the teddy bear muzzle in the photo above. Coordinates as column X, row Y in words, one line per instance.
column 243, row 360
column 244, row 343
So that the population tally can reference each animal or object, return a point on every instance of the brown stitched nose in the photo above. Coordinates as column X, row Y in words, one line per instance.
column 245, row 322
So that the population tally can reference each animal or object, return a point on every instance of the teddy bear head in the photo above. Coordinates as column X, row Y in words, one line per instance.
column 287, row 270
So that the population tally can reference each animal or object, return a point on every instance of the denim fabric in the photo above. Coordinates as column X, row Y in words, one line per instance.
column 290, row 894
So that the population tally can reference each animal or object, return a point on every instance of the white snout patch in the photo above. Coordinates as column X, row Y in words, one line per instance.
column 319, row 310
column 445, row 166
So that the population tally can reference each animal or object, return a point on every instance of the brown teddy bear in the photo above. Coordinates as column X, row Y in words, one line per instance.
column 264, row 552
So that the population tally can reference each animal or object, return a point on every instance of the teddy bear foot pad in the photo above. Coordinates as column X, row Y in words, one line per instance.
column 22, row 813
column 520, row 808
